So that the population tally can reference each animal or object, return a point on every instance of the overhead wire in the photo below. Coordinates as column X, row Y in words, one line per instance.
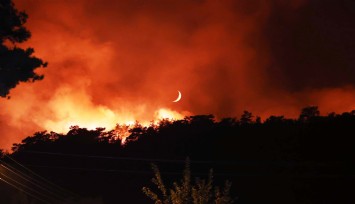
column 233, row 174
column 113, row 158
column 32, row 181
column 45, row 186
column 219, row 162
column 46, row 181
column 24, row 191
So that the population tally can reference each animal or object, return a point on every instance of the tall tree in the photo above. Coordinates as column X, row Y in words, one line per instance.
column 16, row 64
column 246, row 117
column 309, row 112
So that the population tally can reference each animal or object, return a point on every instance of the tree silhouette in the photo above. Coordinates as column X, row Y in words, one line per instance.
column 273, row 154
column 309, row 112
column 246, row 117
column 275, row 119
column 184, row 192
column 16, row 64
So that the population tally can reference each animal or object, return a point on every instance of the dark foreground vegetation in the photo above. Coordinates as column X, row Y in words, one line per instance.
column 279, row 160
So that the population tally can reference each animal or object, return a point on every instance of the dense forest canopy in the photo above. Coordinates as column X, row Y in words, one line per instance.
column 314, row 151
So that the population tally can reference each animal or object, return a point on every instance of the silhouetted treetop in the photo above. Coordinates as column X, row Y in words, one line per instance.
column 276, row 152
column 275, row 119
column 246, row 117
column 16, row 64
column 309, row 112
column 12, row 23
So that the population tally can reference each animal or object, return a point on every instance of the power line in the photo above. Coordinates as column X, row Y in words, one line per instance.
column 119, row 170
column 289, row 163
column 22, row 190
column 123, row 171
column 193, row 173
column 114, row 158
column 38, row 186
column 46, row 181
column 31, row 180
column 25, row 189
column 96, row 169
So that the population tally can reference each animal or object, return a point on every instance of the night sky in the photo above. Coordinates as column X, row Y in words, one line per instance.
column 121, row 61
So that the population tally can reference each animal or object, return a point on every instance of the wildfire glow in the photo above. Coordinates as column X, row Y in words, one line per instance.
column 118, row 62
column 85, row 114
column 74, row 107
column 164, row 113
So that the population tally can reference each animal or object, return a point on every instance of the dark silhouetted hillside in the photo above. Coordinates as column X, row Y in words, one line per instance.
column 280, row 160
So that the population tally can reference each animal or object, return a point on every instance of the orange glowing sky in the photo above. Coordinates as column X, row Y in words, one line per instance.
column 120, row 61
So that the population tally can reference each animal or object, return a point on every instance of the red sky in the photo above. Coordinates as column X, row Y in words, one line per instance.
column 120, row 61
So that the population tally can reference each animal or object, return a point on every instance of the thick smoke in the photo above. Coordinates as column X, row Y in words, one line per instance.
column 121, row 61
column 314, row 45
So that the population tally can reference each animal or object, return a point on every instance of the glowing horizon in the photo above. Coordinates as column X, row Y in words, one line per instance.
column 115, row 62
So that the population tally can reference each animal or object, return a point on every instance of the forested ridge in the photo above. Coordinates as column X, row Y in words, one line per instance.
column 278, row 160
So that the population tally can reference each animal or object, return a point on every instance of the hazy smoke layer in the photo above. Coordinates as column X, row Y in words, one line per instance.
column 120, row 61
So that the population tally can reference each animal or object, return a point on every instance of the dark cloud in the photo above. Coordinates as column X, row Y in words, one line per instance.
column 312, row 46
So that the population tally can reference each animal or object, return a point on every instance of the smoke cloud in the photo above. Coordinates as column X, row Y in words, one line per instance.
column 120, row 61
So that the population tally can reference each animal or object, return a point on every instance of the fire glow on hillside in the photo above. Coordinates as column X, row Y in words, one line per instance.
column 120, row 61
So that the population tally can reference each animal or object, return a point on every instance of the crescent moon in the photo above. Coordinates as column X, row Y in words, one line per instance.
column 178, row 98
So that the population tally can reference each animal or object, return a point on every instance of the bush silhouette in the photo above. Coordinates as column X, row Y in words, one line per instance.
column 184, row 192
